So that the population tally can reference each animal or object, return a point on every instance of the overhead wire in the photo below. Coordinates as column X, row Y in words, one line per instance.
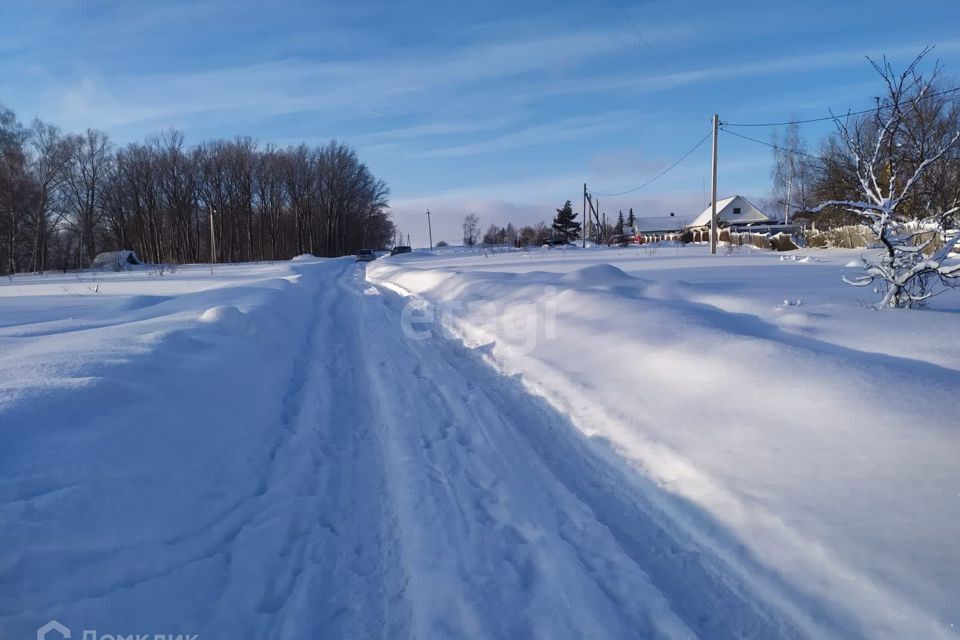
column 659, row 175
column 797, row 151
column 830, row 117
column 772, row 146
column 724, row 127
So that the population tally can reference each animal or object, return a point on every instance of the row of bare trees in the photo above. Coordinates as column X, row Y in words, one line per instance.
column 66, row 197
column 528, row 235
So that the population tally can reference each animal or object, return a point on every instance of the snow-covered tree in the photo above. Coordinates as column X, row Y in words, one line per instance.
column 892, row 150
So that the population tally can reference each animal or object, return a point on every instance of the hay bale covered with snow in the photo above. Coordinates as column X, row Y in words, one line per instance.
column 782, row 242
column 116, row 260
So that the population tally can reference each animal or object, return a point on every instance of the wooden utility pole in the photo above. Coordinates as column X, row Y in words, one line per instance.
column 429, row 230
column 583, row 242
column 213, row 237
column 713, row 199
column 786, row 207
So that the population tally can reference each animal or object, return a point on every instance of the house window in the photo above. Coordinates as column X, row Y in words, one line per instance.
column 736, row 210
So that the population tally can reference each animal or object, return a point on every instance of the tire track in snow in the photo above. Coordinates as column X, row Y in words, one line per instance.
column 313, row 558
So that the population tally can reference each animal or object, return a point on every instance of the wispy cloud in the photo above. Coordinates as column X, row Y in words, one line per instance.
column 434, row 130
column 562, row 130
column 387, row 85
column 821, row 61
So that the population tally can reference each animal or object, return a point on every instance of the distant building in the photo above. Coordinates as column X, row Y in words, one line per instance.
column 735, row 214
column 658, row 228
column 735, row 211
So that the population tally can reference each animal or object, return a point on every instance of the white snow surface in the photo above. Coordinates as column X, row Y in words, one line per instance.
column 600, row 443
column 804, row 441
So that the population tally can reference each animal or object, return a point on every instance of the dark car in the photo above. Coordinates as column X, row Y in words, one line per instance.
column 398, row 250
column 366, row 255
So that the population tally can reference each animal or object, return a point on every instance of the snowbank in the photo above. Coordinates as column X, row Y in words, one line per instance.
column 138, row 416
column 821, row 436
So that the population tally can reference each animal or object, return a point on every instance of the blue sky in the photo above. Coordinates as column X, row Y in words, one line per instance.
column 504, row 109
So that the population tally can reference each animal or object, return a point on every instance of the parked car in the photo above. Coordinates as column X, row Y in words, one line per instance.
column 366, row 255
column 401, row 249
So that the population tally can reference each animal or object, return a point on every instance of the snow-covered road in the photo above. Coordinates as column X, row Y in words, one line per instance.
column 508, row 524
column 308, row 459
column 417, row 493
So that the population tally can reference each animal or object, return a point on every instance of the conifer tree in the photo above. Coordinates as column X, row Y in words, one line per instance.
column 565, row 225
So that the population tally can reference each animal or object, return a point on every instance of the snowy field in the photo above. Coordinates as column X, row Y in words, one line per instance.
column 552, row 444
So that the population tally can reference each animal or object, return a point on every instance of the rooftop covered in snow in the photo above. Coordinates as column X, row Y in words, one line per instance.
column 730, row 211
column 659, row 223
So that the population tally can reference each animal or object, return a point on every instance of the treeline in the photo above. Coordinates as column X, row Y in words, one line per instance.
column 529, row 235
column 64, row 198
column 565, row 227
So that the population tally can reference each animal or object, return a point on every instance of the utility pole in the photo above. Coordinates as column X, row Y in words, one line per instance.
column 213, row 238
column 786, row 207
column 583, row 242
column 713, row 200
column 589, row 215
column 587, row 218
column 408, row 239
column 429, row 229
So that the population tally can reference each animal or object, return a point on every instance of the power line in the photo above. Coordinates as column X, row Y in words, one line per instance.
column 797, row 151
column 659, row 175
column 772, row 146
column 826, row 118
column 784, row 124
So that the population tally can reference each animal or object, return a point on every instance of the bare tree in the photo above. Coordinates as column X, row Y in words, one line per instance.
column 792, row 173
column 271, row 201
column 177, row 184
column 471, row 229
column 16, row 191
column 492, row 235
column 300, row 181
column 89, row 166
column 510, row 234
column 51, row 153
column 893, row 151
